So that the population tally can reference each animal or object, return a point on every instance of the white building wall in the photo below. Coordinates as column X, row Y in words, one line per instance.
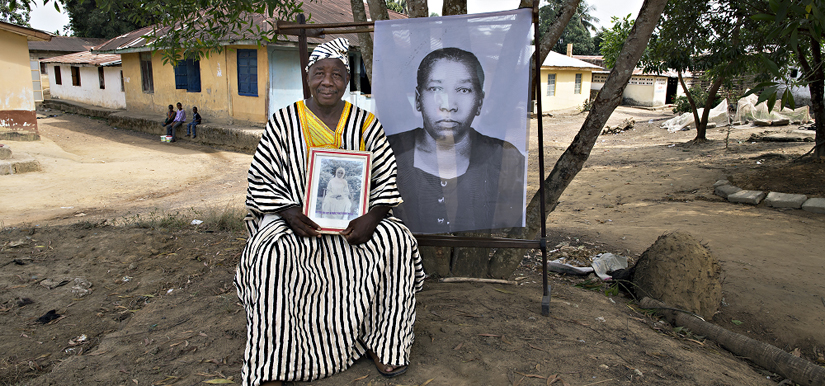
column 89, row 91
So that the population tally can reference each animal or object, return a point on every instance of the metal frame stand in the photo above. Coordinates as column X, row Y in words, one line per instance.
column 319, row 30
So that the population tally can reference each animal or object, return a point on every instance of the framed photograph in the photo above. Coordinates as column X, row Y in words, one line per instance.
column 337, row 188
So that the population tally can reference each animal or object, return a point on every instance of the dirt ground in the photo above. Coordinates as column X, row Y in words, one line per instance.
column 161, row 308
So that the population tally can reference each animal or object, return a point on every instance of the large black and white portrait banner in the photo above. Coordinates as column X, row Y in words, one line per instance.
column 452, row 95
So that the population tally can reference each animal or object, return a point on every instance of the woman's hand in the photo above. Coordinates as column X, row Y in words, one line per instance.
column 361, row 229
column 300, row 223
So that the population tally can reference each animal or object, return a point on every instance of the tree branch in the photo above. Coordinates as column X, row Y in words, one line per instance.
column 505, row 261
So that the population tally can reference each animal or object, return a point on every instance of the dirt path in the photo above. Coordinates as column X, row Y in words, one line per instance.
column 162, row 309
column 640, row 184
column 91, row 169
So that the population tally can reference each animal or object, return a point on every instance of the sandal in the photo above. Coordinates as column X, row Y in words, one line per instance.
column 397, row 370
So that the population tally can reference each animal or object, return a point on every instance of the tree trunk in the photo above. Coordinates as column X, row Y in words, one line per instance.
column 378, row 10
column 551, row 37
column 702, row 125
column 691, row 101
column 817, row 88
column 816, row 85
column 418, row 8
column 454, row 7
column 506, row 260
column 359, row 14
column 772, row 358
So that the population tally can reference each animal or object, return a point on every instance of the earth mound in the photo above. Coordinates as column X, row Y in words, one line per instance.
column 678, row 270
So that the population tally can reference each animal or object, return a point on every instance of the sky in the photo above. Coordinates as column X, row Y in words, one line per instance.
column 47, row 19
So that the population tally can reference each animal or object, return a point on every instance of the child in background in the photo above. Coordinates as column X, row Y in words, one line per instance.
column 170, row 116
column 196, row 120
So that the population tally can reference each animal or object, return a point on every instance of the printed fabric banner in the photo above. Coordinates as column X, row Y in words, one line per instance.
column 452, row 95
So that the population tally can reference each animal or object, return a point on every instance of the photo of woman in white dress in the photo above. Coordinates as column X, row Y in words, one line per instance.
column 337, row 203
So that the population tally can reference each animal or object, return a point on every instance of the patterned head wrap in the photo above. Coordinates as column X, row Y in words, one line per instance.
column 333, row 49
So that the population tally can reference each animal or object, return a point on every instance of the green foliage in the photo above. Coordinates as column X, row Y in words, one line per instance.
column 700, row 96
column 195, row 28
column 577, row 31
column 397, row 6
column 613, row 39
column 11, row 13
column 87, row 20
column 796, row 27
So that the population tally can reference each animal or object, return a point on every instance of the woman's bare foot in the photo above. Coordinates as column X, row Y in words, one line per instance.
column 386, row 370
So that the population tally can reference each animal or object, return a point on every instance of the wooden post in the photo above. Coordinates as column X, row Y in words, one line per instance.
column 303, row 52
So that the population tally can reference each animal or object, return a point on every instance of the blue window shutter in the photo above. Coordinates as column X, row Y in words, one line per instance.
column 248, row 72
column 193, row 68
column 180, row 75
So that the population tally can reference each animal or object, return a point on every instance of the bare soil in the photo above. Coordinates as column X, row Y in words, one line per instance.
column 162, row 310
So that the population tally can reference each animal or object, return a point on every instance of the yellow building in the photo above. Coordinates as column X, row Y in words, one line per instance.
column 18, row 77
column 244, row 82
column 565, row 82
column 211, row 84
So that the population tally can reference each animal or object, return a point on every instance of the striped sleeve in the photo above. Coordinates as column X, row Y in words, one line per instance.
column 273, row 175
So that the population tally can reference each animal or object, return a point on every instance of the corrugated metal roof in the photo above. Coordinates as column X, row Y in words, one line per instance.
column 31, row 34
column 86, row 58
column 555, row 59
column 64, row 44
column 318, row 12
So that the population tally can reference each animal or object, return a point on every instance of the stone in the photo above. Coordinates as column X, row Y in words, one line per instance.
column 814, row 205
column 785, row 200
column 753, row 197
column 678, row 270
column 22, row 163
column 725, row 191
column 720, row 183
column 5, row 152
column 26, row 166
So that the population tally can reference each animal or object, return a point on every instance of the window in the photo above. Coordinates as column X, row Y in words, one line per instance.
column 75, row 76
column 248, row 72
column 122, row 86
column 551, row 84
column 188, row 75
column 101, row 78
column 57, row 78
column 146, row 72
column 578, row 88
column 43, row 69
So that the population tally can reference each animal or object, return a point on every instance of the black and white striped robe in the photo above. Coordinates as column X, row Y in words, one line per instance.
column 311, row 302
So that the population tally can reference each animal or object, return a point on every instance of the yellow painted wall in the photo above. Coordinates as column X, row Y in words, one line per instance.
column 565, row 98
column 218, row 98
column 16, row 91
column 249, row 108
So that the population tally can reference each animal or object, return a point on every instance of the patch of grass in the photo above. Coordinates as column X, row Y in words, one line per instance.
column 226, row 218
column 213, row 218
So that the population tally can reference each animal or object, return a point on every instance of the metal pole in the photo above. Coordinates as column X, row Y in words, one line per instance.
column 545, row 300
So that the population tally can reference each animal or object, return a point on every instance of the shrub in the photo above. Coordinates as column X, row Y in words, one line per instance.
column 699, row 97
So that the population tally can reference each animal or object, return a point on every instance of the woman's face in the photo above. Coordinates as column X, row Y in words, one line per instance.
column 339, row 173
column 328, row 80
column 449, row 99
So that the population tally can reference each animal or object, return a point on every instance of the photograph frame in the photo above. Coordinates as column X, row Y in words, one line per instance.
column 334, row 196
